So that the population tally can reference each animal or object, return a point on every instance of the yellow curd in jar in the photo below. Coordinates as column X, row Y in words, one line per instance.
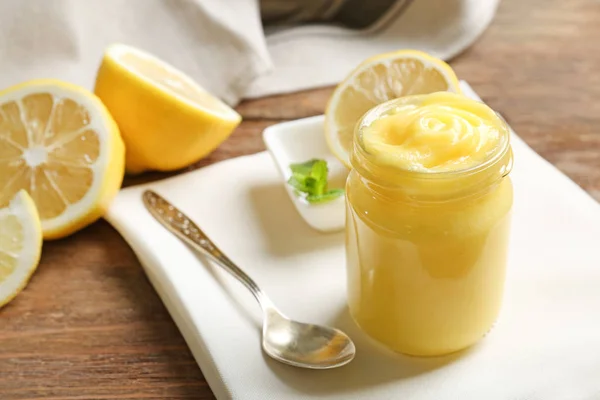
column 428, row 216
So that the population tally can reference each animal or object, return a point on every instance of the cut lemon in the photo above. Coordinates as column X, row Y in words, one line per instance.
column 167, row 120
column 376, row 80
column 60, row 144
column 20, row 245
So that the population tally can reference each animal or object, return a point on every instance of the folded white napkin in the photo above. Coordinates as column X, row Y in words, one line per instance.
column 545, row 346
column 221, row 44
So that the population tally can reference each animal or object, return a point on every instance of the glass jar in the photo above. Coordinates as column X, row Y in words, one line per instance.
column 426, row 249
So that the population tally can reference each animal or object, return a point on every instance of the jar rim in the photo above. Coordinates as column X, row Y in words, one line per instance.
column 498, row 155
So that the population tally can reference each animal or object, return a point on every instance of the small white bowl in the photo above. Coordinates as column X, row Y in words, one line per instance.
column 299, row 141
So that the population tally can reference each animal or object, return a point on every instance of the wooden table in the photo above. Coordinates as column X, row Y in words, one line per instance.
column 90, row 326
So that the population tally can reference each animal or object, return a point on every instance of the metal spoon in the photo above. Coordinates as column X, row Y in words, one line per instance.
column 294, row 343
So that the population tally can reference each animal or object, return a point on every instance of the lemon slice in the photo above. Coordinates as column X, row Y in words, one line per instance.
column 167, row 120
column 20, row 245
column 60, row 144
column 376, row 80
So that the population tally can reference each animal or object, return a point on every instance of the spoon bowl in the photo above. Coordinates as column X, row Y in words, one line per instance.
column 306, row 345
column 290, row 342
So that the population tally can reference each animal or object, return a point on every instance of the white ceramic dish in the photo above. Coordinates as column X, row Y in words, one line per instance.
column 299, row 141
column 545, row 345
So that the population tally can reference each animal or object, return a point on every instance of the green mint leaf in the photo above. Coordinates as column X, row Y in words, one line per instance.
column 312, row 185
column 303, row 168
column 319, row 170
column 298, row 182
column 309, row 179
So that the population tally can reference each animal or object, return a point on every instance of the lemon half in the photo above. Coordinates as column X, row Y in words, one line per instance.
column 377, row 80
column 60, row 144
column 20, row 245
column 167, row 120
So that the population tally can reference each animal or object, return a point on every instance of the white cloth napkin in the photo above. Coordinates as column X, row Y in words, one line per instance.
column 545, row 346
column 221, row 44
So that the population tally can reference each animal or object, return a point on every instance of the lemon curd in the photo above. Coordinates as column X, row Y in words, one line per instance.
column 428, row 217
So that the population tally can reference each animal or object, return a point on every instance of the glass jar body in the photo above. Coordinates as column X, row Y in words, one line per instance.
column 426, row 277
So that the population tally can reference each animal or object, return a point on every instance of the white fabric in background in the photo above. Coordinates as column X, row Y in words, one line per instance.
column 545, row 346
column 219, row 43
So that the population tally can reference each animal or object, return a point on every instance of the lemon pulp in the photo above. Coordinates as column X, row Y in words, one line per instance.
column 20, row 245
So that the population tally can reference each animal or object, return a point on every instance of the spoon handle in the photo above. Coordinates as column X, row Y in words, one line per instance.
column 184, row 228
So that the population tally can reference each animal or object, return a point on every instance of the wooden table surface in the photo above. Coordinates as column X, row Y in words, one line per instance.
column 90, row 326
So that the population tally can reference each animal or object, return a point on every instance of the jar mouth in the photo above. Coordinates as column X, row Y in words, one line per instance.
column 474, row 169
column 361, row 158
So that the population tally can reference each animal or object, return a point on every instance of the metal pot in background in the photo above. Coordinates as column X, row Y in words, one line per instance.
column 354, row 14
